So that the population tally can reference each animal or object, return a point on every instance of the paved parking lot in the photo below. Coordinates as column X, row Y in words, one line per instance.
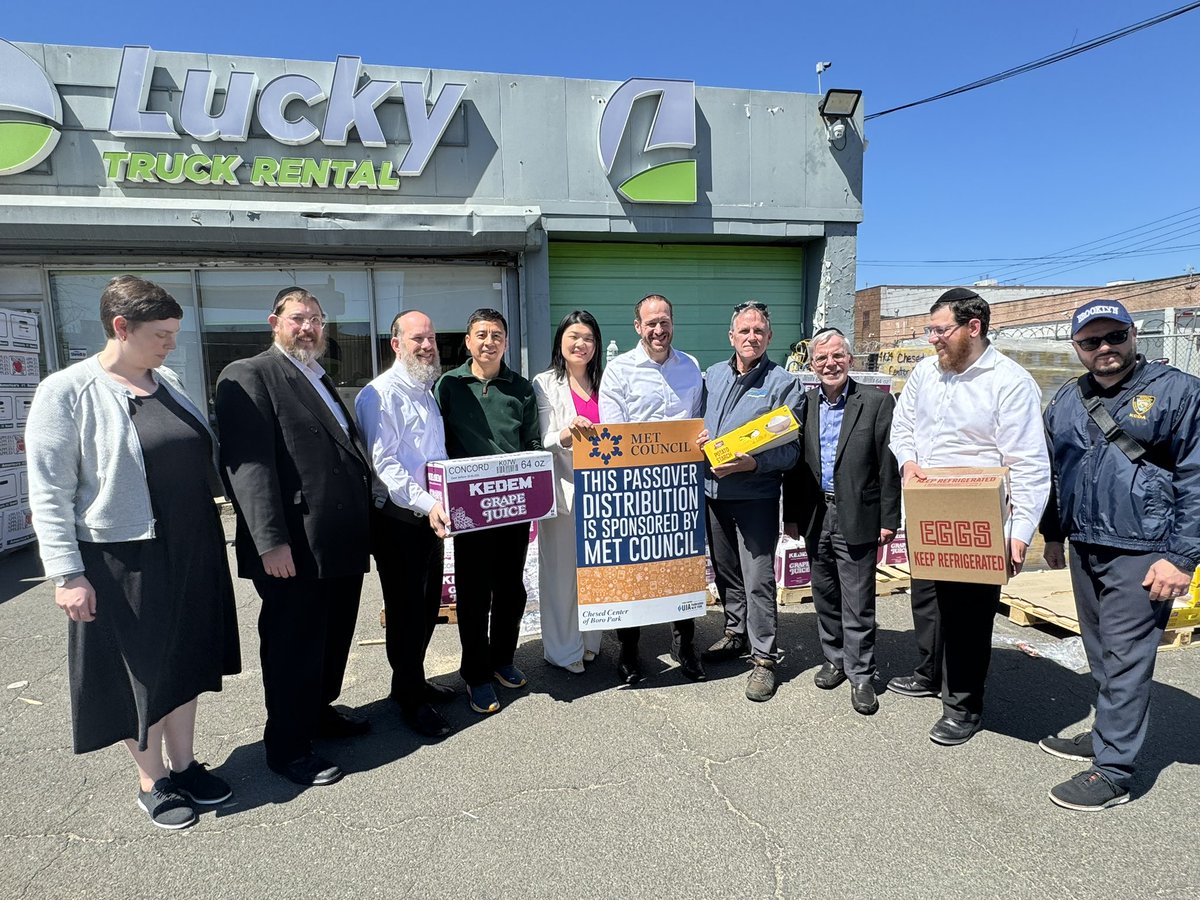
column 580, row 788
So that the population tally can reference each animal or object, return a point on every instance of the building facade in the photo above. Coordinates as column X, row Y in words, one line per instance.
column 382, row 188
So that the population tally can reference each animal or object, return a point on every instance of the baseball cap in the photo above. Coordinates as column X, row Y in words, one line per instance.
column 1099, row 309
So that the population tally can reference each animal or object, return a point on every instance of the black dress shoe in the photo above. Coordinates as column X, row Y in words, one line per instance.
column 309, row 771
column 950, row 732
column 339, row 723
column 913, row 686
column 628, row 669
column 863, row 699
column 439, row 693
column 828, row 677
column 426, row 720
column 689, row 660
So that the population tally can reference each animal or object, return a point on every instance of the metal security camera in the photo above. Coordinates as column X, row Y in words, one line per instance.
column 837, row 131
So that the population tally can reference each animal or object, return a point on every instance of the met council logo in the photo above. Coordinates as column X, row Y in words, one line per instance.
column 30, row 112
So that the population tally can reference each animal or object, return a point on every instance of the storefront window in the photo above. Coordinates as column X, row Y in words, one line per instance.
column 447, row 294
column 235, row 304
column 76, row 296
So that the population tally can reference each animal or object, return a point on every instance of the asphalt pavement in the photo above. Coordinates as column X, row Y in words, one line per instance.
column 581, row 788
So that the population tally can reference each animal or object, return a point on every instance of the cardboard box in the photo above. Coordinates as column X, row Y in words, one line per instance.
column 770, row 430
column 895, row 553
column 484, row 492
column 18, row 330
column 16, row 527
column 955, row 525
column 19, row 369
column 12, row 447
column 792, row 568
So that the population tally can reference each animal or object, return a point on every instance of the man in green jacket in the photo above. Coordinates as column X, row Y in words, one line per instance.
column 489, row 409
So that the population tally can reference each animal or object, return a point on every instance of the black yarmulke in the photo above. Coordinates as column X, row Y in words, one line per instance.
column 959, row 293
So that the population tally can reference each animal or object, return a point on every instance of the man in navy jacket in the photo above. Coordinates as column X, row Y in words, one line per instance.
column 743, row 495
column 1127, row 496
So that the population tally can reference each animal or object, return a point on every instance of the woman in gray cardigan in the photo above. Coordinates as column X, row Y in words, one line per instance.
column 121, row 478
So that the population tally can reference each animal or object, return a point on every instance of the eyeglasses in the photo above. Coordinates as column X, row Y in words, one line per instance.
column 1113, row 339
column 941, row 331
column 836, row 356
column 750, row 304
column 317, row 321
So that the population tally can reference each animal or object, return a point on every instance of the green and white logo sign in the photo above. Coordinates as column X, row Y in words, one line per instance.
column 30, row 112
column 674, row 126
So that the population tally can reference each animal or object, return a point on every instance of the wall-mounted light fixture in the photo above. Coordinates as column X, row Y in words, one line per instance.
column 836, row 107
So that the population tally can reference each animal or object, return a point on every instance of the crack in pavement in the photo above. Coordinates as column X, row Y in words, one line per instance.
column 773, row 850
column 23, row 890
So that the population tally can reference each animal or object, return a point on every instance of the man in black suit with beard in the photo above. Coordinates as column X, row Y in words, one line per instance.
column 843, row 497
column 296, row 470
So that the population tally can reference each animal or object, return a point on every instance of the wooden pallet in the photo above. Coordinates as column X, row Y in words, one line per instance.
column 1046, row 598
column 888, row 580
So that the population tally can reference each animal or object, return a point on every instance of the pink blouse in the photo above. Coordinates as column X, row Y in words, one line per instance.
column 589, row 409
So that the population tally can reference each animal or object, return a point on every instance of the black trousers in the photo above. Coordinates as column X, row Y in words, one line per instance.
column 843, row 586
column 1121, row 630
column 489, row 568
column 954, row 619
column 683, row 631
column 305, row 628
column 408, row 557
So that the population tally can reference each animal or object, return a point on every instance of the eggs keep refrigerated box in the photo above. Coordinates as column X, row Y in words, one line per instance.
column 954, row 521
column 489, row 491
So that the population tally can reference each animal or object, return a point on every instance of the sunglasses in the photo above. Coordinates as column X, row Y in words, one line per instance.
column 1113, row 339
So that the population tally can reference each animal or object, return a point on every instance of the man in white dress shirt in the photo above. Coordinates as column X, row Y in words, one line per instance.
column 968, row 406
column 403, row 429
column 654, row 383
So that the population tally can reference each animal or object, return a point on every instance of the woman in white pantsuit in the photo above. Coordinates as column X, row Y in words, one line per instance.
column 566, row 395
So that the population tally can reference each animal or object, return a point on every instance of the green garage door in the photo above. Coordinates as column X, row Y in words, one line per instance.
column 703, row 282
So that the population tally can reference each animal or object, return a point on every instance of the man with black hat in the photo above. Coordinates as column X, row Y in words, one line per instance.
column 968, row 406
column 1125, row 445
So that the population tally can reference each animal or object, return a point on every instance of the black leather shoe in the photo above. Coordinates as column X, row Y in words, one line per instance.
column 309, row 771
column 863, row 699
column 340, row 723
column 426, row 720
column 628, row 669
column 913, row 686
column 951, row 732
column 439, row 693
column 689, row 660
column 828, row 677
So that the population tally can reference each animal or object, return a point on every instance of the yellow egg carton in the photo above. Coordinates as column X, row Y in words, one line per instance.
column 1187, row 609
column 769, row 430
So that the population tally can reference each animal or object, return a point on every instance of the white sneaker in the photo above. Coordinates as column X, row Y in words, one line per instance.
column 575, row 668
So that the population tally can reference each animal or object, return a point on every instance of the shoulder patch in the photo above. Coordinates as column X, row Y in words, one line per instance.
column 1141, row 405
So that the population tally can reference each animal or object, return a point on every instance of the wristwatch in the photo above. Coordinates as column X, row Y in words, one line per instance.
column 61, row 580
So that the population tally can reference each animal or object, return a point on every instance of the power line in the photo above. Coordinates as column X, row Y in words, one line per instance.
column 1055, row 255
column 1052, row 58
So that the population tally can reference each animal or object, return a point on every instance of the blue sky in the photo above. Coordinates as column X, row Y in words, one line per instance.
column 1070, row 154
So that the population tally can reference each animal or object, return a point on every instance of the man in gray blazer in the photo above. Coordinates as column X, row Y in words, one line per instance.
column 844, row 498
column 298, row 475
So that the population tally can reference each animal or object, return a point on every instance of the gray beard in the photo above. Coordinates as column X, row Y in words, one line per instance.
column 421, row 372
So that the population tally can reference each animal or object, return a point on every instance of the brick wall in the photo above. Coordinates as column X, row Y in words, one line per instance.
column 1162, row 293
